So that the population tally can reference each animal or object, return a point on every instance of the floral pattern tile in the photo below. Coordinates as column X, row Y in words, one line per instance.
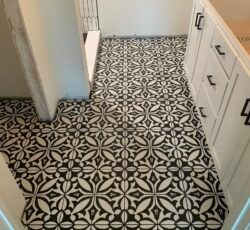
column 132, row 157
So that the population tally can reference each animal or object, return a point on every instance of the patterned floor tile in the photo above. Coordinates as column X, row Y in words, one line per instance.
column 132, row 157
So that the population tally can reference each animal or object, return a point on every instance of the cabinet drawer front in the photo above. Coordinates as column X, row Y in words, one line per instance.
column 194, row 38
column 224, row 51
column 206, row 112
column 215, row 81
column 205, row 46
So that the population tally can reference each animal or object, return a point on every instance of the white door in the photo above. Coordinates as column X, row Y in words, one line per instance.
column 206, row 40
column 234, row 124
column 195, row 33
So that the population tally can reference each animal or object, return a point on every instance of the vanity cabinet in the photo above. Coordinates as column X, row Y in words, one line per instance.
column 205, row 111
column 208, row 26
column 195, row 32
column 218, row 70
column 215, row 81
column 231, row 142
column 236, row 183
column 224, row 50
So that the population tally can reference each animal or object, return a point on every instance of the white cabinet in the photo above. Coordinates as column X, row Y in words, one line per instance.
column 233, row 124
column 224, row 50
column 205, row 44
column 218, row 72
column 215, row 80
column 195, row 33
column 231, row 144
column 205, row 111
column 219, row 77
column 239, row 177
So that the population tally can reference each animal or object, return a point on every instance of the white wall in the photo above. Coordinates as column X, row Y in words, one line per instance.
column 53, row 31
column 66, row 47
column 12, row 79
column 144, row 17
column 39, row 44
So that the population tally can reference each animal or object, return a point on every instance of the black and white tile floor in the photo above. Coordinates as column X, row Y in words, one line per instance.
column 133, row 157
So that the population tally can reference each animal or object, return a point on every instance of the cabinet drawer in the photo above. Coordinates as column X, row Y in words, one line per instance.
column 215, row 81
column 205, row 111
column 224, row 51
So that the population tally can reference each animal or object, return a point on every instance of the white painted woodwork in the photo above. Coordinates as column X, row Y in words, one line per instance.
column 12, row 78
column 207, row 34
column 238, row 7
column 242, row 172
column 232, row 124
column 228, row 59
column 193, row 40
column 228, row 136
column 144, row 17
column 204, row 105
column 12, row 202
column 218, row 77
column 92, row 47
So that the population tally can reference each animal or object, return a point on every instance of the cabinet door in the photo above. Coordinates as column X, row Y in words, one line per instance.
column 239, row 215
column 205, row 44
column 233, row 123
column 194, row 37
column 235, row 180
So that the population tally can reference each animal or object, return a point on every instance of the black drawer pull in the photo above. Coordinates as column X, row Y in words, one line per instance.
column 244, row 112
column 196, row 19
column 209, row 78
column 218, row 48
column 201, row 112
column 199, row 23
column 247, row 121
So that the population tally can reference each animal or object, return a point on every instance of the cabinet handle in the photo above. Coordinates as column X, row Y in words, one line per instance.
column 196, row 19
column 209, row 78
column 199, row 23
column 247, row 121
column 201, row 112
column 244, row 112
column 218, row 48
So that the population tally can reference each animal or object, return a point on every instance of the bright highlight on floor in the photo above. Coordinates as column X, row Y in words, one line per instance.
column 4, row 222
